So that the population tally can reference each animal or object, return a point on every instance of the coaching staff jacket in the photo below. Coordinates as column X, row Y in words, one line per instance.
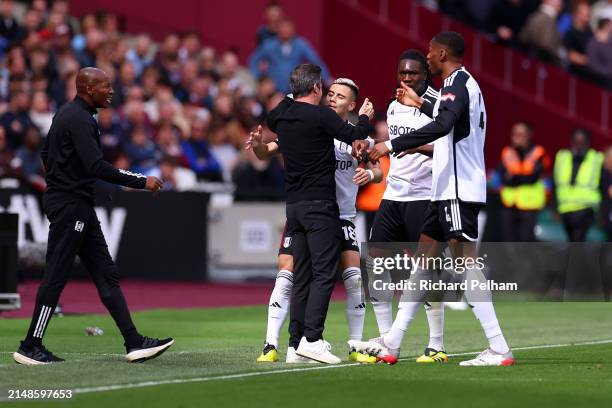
column 73, row 159
column 306, row 136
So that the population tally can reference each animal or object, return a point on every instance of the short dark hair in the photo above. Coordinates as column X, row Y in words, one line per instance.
column 417, row 55
column 527, row 125
column 602, row 22
column 303, row 79
column 581, row 131
column 453, row 41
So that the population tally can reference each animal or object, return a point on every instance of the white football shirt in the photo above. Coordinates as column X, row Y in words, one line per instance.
column 346, row 189
column 409, row 177
column 458, row 163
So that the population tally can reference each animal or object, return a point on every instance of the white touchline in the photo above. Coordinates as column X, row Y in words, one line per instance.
column 297, row 370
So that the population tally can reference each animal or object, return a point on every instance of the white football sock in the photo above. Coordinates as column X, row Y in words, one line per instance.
column 485, row 313
column 355, row 306
column 384, row 316
column 435, row 318
column 381, row 299
column 482, row 306
column 405, row 314
column 278, row 307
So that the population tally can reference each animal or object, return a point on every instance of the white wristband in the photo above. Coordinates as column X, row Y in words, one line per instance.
column 370, row 173
column 389, row 145
column 371, row 142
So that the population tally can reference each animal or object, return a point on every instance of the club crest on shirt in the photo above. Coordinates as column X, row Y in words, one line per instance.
column 287, row 242
column 447, row 97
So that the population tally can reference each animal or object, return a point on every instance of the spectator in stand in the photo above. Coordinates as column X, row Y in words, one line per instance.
column 141, row 54
column 168, row 141
column 9, row 164
column 16, row 120
column 540, row 34
column 127, row 78
column 258, row 180
column 599, row 53
column 606, row 194
column 29, row 153
column 9, row 27
column 40, row 113
column 283, row 53
column 190, row 46
column 197, row 155
column 141, row 151
column 188, row 74
column 577, row 39
column 273, row 15
column 240, row 79
column 175, row 178
column 32, row 21
column 93, row 40
column 112, row 138
column 507, row 19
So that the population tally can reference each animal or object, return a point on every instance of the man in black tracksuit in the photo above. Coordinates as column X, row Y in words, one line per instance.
column 306, row 133
column 73, row 161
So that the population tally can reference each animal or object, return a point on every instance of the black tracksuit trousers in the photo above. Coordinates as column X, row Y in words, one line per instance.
column 314, row 227
column 75, row 230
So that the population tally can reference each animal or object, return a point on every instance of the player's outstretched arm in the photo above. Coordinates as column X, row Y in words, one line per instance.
column 262, row 150
column 426, row 150
column 344, row 131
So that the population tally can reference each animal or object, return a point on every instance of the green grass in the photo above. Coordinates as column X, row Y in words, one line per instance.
column 216, row 342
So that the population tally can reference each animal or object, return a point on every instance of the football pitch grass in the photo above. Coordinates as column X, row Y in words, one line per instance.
column 563, row 353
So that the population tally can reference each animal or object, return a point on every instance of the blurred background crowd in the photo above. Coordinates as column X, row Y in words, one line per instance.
column 183, row 109
column 574, row 34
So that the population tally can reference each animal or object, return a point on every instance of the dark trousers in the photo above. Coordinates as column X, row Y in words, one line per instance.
column 314, row 227
column 398, row 221
column 577, row 224
column 75, row 230
column 519, row 225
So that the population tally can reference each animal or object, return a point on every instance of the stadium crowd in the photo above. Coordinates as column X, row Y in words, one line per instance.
column 180, row 108
column 183, row 111
column 574, row 34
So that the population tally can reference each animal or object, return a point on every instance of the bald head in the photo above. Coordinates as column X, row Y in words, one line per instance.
column 89, row 77
column 93, row 85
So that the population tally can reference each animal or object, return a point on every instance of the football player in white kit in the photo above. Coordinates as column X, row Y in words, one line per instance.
column 407, row 196
column 458, row 191
column 341, row 97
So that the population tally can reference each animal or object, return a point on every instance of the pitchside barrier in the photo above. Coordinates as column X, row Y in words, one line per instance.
column 159, row 237
column 9, row 298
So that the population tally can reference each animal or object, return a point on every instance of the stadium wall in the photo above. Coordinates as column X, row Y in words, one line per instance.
column 222, row 24
column 153, row 238
column 363, row 39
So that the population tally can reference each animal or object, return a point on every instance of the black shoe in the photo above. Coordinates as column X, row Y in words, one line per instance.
column 148, row 349
column 35, row 355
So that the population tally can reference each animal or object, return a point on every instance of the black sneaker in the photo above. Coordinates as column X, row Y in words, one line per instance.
column 148, row 349
column 35, row 355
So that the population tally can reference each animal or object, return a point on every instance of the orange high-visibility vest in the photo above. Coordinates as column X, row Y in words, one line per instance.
column 370, row 195
column 526, row 196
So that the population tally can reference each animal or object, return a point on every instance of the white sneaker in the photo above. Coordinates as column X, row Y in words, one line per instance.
column 490, row 358
column 319, row 350
column 376, row 347
column 293, row 358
